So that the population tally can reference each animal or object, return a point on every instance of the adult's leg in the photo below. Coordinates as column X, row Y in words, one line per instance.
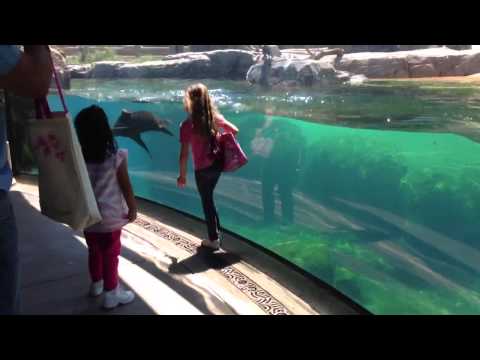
column 286, row 197
column 268, row 186
column 9, row 259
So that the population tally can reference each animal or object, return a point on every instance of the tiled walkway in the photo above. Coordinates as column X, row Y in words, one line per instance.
column 160, row 263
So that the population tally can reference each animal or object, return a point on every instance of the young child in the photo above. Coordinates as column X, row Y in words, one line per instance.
column 107, row 169
column 197, row 131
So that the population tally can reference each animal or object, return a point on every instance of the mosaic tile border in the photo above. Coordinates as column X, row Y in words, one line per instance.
column 261, row 297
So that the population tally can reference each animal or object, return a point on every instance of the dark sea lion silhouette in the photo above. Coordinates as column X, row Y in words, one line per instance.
column 133, row 124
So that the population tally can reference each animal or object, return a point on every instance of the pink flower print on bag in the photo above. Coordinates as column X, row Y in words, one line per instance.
column 50, row 144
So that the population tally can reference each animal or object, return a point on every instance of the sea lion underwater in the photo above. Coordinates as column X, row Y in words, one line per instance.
column 133, row 124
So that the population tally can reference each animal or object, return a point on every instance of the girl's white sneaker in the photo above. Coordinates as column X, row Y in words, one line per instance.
column 96, row 288
column 212, row 244
column 116, row 297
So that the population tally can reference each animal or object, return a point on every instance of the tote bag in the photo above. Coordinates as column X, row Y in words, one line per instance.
column 66, row 194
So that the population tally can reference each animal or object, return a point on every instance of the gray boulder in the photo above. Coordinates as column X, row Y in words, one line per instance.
column 297, row 72
column 105, row 69
column 469, row 65
column 175, row 66
column 231, row 64
column 273, row 50
column 374, row 66
column 79, row 71
column 423, row 70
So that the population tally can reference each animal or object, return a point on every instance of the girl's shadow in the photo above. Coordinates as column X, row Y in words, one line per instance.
column 203, row 260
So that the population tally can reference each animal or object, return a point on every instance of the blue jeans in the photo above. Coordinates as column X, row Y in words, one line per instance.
column 9, row 259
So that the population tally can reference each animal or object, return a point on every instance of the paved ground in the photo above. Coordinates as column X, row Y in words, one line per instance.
column 160, row 263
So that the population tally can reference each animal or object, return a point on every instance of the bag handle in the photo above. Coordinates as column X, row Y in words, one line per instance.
column 42, row 108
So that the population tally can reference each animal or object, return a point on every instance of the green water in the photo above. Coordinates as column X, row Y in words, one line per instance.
column 374, row 189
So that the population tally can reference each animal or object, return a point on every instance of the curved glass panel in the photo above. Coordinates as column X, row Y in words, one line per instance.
column 373, row 188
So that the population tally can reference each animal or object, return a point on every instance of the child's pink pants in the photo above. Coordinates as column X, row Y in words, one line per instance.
column 103, row 252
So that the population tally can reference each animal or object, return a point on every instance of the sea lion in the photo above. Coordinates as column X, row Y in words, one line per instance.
column 133, row 124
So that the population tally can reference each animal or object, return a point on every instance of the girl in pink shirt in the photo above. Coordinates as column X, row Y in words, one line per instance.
column 107, row 169
column 197, row 131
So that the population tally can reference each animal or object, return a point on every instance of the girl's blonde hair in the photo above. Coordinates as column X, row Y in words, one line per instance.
column 199, row 105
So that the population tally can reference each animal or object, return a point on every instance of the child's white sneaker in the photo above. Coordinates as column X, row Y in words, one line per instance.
column 212, row 244
column 116, row 297
column 96, row 288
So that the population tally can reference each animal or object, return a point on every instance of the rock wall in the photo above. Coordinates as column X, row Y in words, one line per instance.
column 412, row 64
column 219, row 64
column 294, row 66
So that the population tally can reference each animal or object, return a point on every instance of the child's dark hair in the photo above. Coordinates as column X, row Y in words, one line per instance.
column 95, row 135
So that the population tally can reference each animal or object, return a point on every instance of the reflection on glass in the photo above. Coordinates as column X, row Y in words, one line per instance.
column 279, row 145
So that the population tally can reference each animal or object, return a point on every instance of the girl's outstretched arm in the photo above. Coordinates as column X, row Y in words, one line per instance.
column 183, row 159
